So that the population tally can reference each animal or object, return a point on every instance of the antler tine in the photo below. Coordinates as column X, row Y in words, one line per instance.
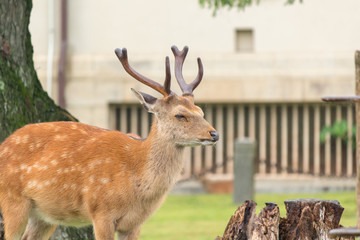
column 199, row 77
column 180, row 56
column 164, row 90
column 167, row 82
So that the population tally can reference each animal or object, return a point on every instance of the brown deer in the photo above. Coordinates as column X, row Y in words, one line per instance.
column 74, row 174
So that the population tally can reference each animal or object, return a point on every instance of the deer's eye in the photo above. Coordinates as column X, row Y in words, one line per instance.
column 180, row 117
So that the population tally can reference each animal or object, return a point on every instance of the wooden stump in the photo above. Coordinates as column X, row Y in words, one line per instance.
column 305, row 219
column 245, row 224
column 310, row 219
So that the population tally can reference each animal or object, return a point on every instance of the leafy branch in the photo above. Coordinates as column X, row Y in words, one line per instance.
column 239, row 4
column 339, row 130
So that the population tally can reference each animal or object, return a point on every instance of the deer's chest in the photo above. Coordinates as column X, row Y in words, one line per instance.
column 138, row 213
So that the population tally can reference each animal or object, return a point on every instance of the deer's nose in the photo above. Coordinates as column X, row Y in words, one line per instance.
column 214, row 135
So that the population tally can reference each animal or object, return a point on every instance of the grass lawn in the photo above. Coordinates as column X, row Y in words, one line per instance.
column 199, row 217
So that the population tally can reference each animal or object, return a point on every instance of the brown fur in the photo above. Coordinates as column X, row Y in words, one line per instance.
column 74, row 174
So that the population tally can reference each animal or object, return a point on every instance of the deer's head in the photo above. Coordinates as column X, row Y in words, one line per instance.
column 178, row 118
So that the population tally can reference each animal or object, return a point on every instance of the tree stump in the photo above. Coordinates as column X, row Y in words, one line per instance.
column 245, row 224
column 305, row 219
column 310, row 219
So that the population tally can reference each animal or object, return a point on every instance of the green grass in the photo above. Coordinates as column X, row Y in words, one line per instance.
column 205, row 216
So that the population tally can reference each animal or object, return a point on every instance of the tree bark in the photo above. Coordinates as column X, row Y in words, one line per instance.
column 22, row 99
column 306, row 219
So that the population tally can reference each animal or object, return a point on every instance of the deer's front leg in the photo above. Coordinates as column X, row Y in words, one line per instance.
column 103, row 229
column 129, row 236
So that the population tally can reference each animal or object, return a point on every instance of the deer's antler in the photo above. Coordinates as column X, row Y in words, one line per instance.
column 187, row 89
column 163, row 89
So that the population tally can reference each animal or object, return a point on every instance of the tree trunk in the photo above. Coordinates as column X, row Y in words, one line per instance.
column 22, row 99
column 306, row 219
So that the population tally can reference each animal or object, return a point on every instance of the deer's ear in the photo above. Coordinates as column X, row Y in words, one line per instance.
column 146, row 100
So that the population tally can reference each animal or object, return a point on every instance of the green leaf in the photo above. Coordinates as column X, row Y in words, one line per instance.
column 338, row 130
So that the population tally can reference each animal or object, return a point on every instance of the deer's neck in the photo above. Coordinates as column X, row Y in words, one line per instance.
column 164, row 159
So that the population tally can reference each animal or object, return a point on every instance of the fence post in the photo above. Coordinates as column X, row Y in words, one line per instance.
column 244, row 170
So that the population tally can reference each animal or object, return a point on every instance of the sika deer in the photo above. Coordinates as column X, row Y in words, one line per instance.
column 74, row 174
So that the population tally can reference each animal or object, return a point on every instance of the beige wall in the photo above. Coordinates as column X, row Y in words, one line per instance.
column 301, row 52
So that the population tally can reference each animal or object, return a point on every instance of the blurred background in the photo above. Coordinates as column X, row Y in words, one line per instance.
column 266, row 68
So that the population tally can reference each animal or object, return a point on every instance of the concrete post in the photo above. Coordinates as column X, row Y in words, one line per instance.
column 244, row 170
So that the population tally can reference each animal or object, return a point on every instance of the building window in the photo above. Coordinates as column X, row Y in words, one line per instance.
column 244, row 40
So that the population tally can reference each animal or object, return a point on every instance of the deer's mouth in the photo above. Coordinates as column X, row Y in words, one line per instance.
column 207, row 142
column 198, row 142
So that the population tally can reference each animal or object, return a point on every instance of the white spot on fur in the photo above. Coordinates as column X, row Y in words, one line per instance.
column 60, row 137
column 104, row 180
column 54, row 162
column 17, row 140
column 54, row 180
column 25, row 139
column 73, row 169
column 91, row 165
column 32, row 184
column 73, row 186
column 74, row 126
column 28, row 170
column 91, row 179
column 23, row 166
column 59, row 170
column 65, row 186
column 85, row 189
column 47, row 183
column 64, row 155
column 66, row 170
column 36, row 165
column 43, row 168
column 83, row 132
column 31, row 147
column 4, row 151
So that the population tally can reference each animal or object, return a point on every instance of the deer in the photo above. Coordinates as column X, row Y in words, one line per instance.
column 74, row 174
